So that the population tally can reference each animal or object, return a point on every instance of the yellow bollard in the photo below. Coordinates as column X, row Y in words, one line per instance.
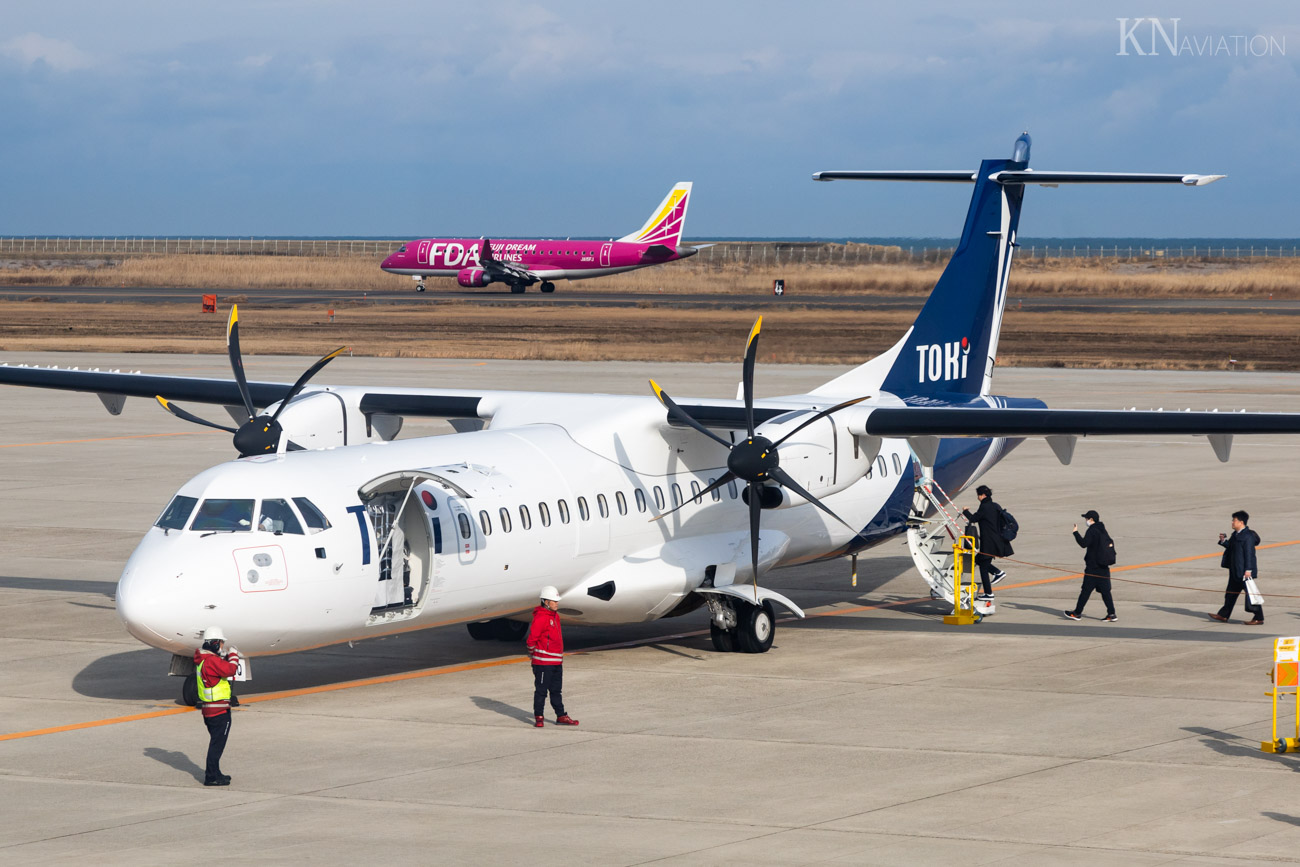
column 1285, row 675
column 963, row 563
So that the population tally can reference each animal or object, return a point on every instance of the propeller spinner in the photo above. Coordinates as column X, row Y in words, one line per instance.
column 261, row 433
column 756, row 459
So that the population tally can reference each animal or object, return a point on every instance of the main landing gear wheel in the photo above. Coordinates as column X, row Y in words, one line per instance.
column 548, row 287
column 755, row 627
column 508, row 630
column 189, row 692
column 483, row 630
column 724, row 640
column 419, row 287
column 517, row 288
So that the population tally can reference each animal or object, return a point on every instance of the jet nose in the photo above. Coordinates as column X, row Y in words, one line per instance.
column 153, row 608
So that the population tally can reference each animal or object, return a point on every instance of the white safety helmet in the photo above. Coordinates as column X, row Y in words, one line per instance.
column 550, row 594
column 213, row 633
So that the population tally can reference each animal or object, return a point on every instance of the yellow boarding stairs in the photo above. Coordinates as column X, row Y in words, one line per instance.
column 934, row 530
column 1286, row 682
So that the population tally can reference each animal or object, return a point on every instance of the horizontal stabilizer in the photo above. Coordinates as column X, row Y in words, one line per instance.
column 961, row 176
column 1032, row 177
column 916, row 421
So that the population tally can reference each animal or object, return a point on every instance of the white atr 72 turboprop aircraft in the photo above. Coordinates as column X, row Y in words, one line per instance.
column 328, row 529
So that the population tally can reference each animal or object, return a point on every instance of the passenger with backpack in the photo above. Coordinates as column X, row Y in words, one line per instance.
column 996, row 529
column 1098, row 557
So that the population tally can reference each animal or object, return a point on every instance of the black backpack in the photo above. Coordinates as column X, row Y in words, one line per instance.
column 1107, row 550
column 1009, row 527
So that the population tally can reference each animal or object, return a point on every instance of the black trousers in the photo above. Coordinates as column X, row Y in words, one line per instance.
column 1237, row 587
column 218, row 732
column 987, row 571
column 1100, row 583
column 548, row 678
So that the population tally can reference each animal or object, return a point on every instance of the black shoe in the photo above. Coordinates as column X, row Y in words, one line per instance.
column 217, row 781
column 1070, row 615
column 1110, row 618
column 996, row 578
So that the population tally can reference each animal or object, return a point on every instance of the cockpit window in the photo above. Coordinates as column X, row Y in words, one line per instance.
column 315, row 518
column 278, row 518
column 229, row 515
column 401, row 249
column 178, row 511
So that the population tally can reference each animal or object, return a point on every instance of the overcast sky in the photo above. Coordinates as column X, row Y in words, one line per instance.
column 422, row 118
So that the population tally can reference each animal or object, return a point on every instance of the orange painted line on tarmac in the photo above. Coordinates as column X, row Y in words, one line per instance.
column 102, row 439
column 516, row 660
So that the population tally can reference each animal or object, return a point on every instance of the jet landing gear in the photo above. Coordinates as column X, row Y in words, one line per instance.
column 419, row 287
column 499, row 629
column 741, row 627
column 547, row 287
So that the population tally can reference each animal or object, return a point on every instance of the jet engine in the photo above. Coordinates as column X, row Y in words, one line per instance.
column 473, row 277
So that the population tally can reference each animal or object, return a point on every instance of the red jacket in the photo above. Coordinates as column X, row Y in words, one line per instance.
column 214, row 669
column 544, row 641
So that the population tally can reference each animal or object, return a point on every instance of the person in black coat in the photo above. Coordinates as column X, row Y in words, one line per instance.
column 1096, row 566
column 988, row 522
column 1239, row 560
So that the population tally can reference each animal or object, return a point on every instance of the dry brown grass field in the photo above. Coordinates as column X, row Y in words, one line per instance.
column 1246, row 278
column 659, row 333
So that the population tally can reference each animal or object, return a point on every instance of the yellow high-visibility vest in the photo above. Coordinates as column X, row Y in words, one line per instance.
column 220, row 692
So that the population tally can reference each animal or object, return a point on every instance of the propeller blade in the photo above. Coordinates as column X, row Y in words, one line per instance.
column 726, row 477
column 755, row 518
column 680, row 414
column 302, row 380
column 783, row 478
column 189, row 416
column 818, row 417
column 747, row 378
column 236, row 361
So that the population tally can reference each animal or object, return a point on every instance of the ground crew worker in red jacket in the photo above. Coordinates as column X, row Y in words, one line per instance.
column 212, row 666
column 546, row 647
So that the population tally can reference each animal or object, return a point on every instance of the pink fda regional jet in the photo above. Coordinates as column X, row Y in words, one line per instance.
column 520, row 264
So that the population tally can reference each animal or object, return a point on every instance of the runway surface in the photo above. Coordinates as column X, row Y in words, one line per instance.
column 757, row 299
column 870, row 734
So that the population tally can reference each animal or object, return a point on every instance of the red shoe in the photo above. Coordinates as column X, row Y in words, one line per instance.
column 539, row 722
column 565, row 720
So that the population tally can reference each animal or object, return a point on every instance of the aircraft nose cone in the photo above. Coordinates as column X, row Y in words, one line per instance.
column 155, row 610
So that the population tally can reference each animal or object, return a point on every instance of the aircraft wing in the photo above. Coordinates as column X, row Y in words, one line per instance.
column 1018, row 423
column 498, row 269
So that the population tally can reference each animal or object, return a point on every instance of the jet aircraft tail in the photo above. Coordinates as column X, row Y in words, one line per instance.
column 952, row 346
column 667, row 221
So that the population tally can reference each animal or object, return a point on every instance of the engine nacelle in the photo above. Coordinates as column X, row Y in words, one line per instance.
column 473, row 277
column 824, row 457
column 316, row 420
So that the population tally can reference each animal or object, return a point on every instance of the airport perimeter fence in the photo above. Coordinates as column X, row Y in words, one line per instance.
column 753, row 253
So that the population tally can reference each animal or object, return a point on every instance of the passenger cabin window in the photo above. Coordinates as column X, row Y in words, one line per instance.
column 603, row 505
column 314, row 517
column 485, row 522
column 544, row 513
column 717, row 492
column 695, row 491
column 677, row 494
column 898, row 465
column 880, row 464
column 731, row 489
column 505, row 519
column 621, row 501
column 462, row 520
column 525, row 519
column 178, row 511
column 234, row 516
column 659, row 497
column 639, row 496
column 564, row 511
column 583, row 512
column 278, row 518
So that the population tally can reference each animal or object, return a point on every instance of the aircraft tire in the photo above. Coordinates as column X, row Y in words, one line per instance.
column 548, row 287
column 189, row 692
column 724, row 640
column 756, row 627
column 419, row 287
column 483, row 630
column 508, row 630
column 517, row 288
